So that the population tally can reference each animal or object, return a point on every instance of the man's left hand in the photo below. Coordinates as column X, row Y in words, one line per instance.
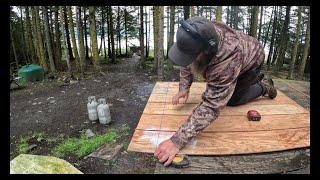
column 166, row 151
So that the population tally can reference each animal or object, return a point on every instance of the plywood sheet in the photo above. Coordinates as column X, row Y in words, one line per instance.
column 227, row 123
column 284, row 124
column 227, row 142
column 197, row 98
column 186, row 109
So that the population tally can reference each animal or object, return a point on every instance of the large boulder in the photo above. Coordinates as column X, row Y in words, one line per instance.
column 35, row 164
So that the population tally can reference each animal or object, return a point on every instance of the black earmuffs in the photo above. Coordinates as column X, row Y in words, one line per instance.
column 211, row 45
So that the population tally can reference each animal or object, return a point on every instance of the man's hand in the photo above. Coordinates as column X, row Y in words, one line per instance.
column 166, row 151
column 182, row 94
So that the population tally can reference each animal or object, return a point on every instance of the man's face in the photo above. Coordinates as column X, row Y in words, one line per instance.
column 199, row 65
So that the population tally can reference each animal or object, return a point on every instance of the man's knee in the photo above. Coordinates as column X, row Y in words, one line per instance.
column 234, row 102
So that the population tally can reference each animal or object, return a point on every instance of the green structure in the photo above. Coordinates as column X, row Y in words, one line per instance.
column 31, row 72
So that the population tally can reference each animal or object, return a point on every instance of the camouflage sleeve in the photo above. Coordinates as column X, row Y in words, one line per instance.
column 186, row 79
column 221, row 81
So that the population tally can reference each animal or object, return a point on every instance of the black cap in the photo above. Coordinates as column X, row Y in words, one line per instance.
column 187, row 48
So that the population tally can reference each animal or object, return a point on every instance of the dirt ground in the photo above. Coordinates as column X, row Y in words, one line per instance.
column 54, row 110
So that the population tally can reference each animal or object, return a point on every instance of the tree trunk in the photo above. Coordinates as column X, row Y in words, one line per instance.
column 113, row 53
column 261, row 16
column 171, row 34
column 29, row 38
column 295, row 46
column 48, row 39
column 57, row 34
column 146, row 22
column 284, row 41
column 52, row 36
column 186, row 12
column 305, row 49
column 14, row 47
column 93, row 37
column 192, row 11
column 118, row 30
column 66, row 23
column 85, row 32
column 149, row 27
column 73, row 39
column 35, row 36
column 168, row 31
column 228, row 15
column 23, row 38
column 235, row 17
column 272, row 36
column 64, row 44
column 155, row 37
column 254, row 21
column 82, row 53
column 142, row 58
column 103, row 34
column 102, row 30
column 43, row 63
column 159, row 25
column 109, row 36
column 277, row 38
column 125, row 30
column 268, row 30
column 219, row 13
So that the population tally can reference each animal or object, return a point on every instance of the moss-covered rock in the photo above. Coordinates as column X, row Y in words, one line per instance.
column 35, row 164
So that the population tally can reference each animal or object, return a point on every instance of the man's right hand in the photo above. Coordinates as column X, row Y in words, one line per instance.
column 182, row 94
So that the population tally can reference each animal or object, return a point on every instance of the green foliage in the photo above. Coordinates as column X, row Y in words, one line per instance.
column 124, row 130
column 22, row 146
column 83, row 146
column 55, row 139
column 23, row 143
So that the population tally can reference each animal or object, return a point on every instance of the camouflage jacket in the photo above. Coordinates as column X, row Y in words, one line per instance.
column 237, row 53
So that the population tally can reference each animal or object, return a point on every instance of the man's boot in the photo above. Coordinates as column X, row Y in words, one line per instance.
column 270, row 90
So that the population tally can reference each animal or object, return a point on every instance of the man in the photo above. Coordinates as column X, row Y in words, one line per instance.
column 229, row 60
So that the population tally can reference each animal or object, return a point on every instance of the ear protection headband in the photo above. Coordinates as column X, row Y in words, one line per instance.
column 211, row 44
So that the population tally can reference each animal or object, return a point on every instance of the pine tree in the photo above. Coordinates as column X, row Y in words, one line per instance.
column 73, row 39
column 160, row 54
column 57, row 42
column 66, row 24
column 48, row 39
column 219, row 13
column 254, row 21
column 142, row 58
column 186, row 12
column 82, row 53
column 305, row 49
column 93, row 37
column 171, row 34
column 284, row 41
column 64, row 44
column 42, row 59
column 295, row 46
column 29, row 37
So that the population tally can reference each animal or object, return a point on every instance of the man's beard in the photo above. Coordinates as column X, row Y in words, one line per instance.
column 199, row 66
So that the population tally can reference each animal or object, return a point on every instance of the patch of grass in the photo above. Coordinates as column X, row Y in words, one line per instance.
column 55, row 139
column 124, row 130
column 22, row 146
column 125, row 146
column 83, row 146
column 39, row 136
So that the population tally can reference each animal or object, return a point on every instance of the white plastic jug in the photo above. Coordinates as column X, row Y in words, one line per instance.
column 103, row 111
column 92, row 108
